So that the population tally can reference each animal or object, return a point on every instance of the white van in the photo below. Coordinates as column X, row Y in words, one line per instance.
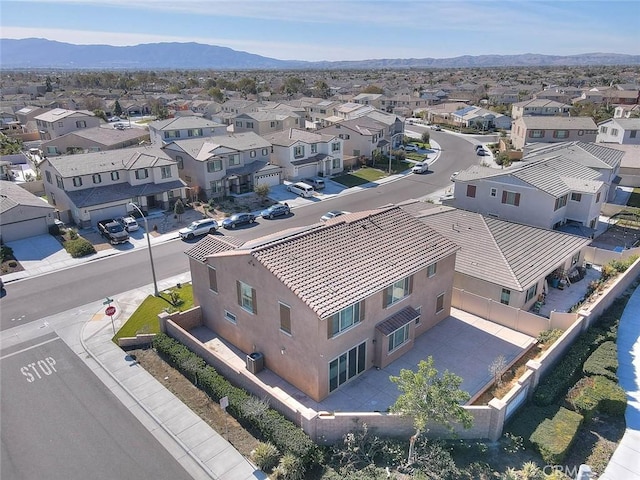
column 301, row 189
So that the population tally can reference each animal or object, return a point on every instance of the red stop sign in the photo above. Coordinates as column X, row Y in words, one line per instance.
column 111, row 310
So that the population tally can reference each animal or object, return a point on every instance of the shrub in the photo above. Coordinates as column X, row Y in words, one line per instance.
column 600, row 394
column 265, row 456
column 554, row 437
column 289, row 468
column 548, row 337
column 603, row 361
column 5, row 253
column 79, row 247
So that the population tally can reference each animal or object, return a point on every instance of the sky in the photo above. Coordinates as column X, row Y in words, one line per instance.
column 333, row 30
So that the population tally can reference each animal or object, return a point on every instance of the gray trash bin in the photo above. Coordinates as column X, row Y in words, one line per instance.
column 255, row 362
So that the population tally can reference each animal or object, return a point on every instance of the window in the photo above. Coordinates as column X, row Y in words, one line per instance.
column 47, row 175
column 603, row 129
column 194, row 132
column 142, row 173
column 576, row 197
column 172, row 134
column 580, row 133
column 216, row 186
column 531, row 292
column 273, row 124
column 53, row 198
column 234, row 159
column 252, row 154
column 419, row 310
column 265, row 152
column 165, row 172
column 214, row 166
column 598, row 197
column 575, row 258
column 431, row 269
column 77, row 181
column 247, row 297
column 335, row 147
column 614, row 132
column 60, row 124
column 59, row 182
column 314, row 148
column 440, row 303
column 97, row 178
column 347, row 366
column 536, row 134
column 511, row 198
column 298, row 151
column 180, row 162
column 335, row 163
column 505, row 296
column 398, row 338
column 238, row 123
column 213, row 279
column 633, row 133
column 115, row 176
column 560, row 202
column 81, row 124
column 285, row 318
column 397, row 291
column 471, row 191
column 560, row 133
column 230, row 317
column 493, row 192
column 345, row 319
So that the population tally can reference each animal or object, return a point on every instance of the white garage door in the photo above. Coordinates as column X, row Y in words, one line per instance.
column 107, row 213
column 24, row 229
column 271, row 179
column 307, row 170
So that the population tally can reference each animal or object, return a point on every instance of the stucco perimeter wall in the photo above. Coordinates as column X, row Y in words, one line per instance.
column 599, row 256
column 514, row 318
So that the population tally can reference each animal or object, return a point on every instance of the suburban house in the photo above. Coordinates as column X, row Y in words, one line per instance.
column 619, row 130
column 90, row 187
column 629, row 171
column 303, row 153
column 221, row 165
column 480, row 118
column 317, row 112
column 541, row 129
column 264, row 122
column 626, row 111
column 57, row 122
column 318, row 310
column 506, row 262
column 162, row 132
column 548, row 192
column 403, row 105
column 22, row 214
column 539, row 107
column 97, row 139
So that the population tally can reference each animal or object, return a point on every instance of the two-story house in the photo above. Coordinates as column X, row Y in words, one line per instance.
column 619, row 130
column 542, row 129
column 480, row 118
column 319, row 311
column 264, row 122
column 539, row 107
column 162, row 132
column 303, row 153
column 57, row 122
column 221, row 165
column 547, row 192
column 97, row 139
column 87, row 188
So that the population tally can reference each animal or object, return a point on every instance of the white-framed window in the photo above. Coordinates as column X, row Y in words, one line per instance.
column 603, row 129
column 247, row 297
column 614, row 132
column 536, row 134
column 419, row 310
column 180, row 162
column 165, row 172
column 115, row 176
column 314, row 148
column 142, row 173
column 561, row 202
column 335, row 147
column 398, row 338
column 77, row 181
column 397, row 291
column 511, row 198
column 576, row 197
column 298, row 151
column 194, row 132
column 60, row 124
column 234, row 159
column 346, row 366
column 252, row 154
column 440, row 303
column 216, row 186
column 214, row 165
column 335, row 163
column 172, row 134
column 238, row 123
column 81, row 124
column 47, row 175
column 633, row 133
column 531, row 292
column 493, row 192
column 345, row 319
column 505, row 296
column 431, row 269
column 96, row 178
column 561, row 134
column 230, row 317
column 53, row 198
column 213, row 279
column 249, row 124
column 265, row 152
column 59, row 182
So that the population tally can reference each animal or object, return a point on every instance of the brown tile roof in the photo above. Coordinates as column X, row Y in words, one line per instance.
column 210, row 245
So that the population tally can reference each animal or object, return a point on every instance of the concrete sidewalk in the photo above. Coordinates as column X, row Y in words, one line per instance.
column 202, row 451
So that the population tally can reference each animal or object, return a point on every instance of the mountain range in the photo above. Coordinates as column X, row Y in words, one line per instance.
column 41, row 53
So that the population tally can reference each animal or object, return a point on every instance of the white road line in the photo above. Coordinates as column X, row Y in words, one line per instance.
column 31, row 347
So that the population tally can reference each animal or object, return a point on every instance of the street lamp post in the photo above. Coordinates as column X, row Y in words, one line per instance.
column 146, row 227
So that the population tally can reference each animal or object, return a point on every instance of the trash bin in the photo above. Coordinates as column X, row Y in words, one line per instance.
column 255, row 362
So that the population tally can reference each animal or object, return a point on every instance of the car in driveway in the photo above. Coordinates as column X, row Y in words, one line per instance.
column 316, row 183
column 332, row 214
column 129, row 223
column 199, row 227
column 276, row 210
column 238, row 219
column 410, row 148
column 420, row 167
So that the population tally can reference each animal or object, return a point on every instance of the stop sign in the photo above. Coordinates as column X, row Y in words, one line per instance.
column 111, row 310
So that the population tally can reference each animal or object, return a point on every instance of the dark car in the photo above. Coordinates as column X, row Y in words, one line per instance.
column 238, row 219
column 481, row 152
column 275, row 211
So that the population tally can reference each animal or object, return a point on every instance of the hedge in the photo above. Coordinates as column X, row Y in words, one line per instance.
column 600, row 394
column 603, row 361
column 275, row 428
column 79, row 247
column 554, row 437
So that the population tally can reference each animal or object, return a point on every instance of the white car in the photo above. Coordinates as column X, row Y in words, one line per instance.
column 129, row 223
column 410, row 148
column 199, row 227
column 453, row 176
column 332, row 214
column 420, row 167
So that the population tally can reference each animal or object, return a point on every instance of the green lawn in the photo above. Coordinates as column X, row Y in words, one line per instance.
column 145, row 318
column 634, row 199
column 360, row 177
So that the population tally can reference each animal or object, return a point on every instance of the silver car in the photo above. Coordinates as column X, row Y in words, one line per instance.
column 199, row 227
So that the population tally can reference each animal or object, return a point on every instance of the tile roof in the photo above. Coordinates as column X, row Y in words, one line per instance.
column 13, row 195
column 203, row 148
column 103, row 135
column 592, row 155
column 291, row 136
column 119, row 192
column 505, row 253
column 553, row 122
column 211, row 245
column 182, row 123
column 57, row 114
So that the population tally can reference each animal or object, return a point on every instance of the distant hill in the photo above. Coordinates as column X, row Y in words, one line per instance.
column 41, row 53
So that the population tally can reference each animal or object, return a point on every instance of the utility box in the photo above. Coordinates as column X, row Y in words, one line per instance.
column 255, row 362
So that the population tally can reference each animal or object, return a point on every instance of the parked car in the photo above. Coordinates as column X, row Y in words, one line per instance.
column 199, row 227
column 481, row 152
column 113, row 231
column 479, row 147
column 276, row 210
column 316, row 183
column 301, row 188
column 453, row 175
column 420, row 167
column 332, row 214
column 129, row 223
column 114, row 119
column 410, row 148
column 238, row 219
column 436, row 128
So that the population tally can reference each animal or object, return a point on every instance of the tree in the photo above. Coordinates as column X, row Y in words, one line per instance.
column 178, row 209
column 216, row 94
column 430, row 398
column 497, row 368
column 322, row 89
column 48, row 85
column 9, row 146
column 372, row 89
column 262, row 190
column 117, row 109
column 425, row 137
column 100, row 114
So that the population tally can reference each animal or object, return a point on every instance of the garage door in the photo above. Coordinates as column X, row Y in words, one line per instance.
column 24, row 229
column 271, row 179
column 307, row 170
column 106, row 213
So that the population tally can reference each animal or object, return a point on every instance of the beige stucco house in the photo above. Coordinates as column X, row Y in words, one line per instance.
column 326, row 302
column 22, row 214
column 59, row 121
column 543, row 129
